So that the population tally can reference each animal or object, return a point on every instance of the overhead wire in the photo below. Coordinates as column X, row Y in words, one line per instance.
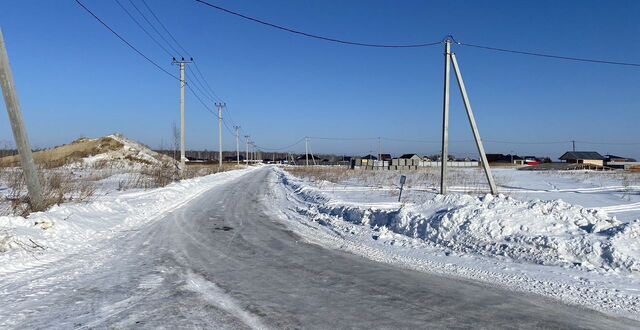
column 281, row 148
column 125, row 41
column 153, row 27
column 208, row 94
column 195, row 64
column 143, row 29
column 165, row 28
column 526, row 142
column 197, row 83
column 561, row 57
column 315, row 36
column 206, row 87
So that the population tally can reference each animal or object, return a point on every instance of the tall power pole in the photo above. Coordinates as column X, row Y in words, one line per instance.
column 451, row 57
column 237, row 128
column 220, row 107
column 182, row 63
column 306, row 149
column 444, row 157
column 246, row 156
column 19, row 130
column 379, row 153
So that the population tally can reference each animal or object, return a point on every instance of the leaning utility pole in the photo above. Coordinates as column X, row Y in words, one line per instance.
column 306, row 149
column 183, row 83
column 450, row 57
column 220, row 107
column 237, row 128
column 19, row 130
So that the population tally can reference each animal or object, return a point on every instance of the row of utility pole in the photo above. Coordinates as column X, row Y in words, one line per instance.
column 220, row 106
column 450, row 59
column 35, row 189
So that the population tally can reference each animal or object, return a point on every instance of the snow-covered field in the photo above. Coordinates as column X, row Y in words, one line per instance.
column 570, row 236
column 574, row 236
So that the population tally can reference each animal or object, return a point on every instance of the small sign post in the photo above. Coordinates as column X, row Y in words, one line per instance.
column 402, row 181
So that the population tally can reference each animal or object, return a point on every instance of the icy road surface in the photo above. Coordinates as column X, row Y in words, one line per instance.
column 220, row 261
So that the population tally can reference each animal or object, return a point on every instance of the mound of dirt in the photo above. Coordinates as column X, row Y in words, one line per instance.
column 109, row 150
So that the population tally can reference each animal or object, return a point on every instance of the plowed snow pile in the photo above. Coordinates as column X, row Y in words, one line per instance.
column 540, row 232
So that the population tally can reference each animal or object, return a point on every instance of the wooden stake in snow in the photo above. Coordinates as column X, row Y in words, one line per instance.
column 19, row 131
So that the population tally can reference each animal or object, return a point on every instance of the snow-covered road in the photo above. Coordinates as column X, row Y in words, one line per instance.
column 224, row 260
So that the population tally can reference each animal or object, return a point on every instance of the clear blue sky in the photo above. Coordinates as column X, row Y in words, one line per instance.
column 75, row 78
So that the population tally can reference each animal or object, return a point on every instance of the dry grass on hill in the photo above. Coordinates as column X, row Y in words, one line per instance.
column 68, row 153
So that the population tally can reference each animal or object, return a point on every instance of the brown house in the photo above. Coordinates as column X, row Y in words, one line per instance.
column 583, row 157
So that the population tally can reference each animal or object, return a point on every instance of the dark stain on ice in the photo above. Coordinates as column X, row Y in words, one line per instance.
column 224, row 228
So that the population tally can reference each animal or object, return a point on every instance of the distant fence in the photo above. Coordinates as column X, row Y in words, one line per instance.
column 406, row 164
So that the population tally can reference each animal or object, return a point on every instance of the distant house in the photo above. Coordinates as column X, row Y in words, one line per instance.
column 410, row 156
column 620, row 162
column 617, row 159
column 583, row 157
column 505, row 159
column 386, row 157
column 371, row 157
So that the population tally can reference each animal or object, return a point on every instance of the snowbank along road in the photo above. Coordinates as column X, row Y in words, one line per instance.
column 222, row 260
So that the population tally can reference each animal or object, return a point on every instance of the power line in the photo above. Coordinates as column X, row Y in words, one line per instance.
column 164, row 28
column 147, row 58
column 206, row 90
column 153, row 27
column 143, row 29
column 526, row 142
column 569, row 58
column 203, row 87
column 206, row 82
column 610, row 143
column 282, row 148
column 125, row 41
column 315, row 36
column 197, row 84
column 340, row 138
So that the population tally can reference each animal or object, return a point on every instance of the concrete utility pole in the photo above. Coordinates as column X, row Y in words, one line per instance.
column 19, row 130
column 306, row 149
column 380, row 163
column 246, row 156
column 474, row 127
column 220, row 107
column 444, row 157
column 182, row 63
column 574, row 145
column 450, row 57
column 237, row 128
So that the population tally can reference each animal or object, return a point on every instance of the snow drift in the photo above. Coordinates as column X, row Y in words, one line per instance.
column 540, row 232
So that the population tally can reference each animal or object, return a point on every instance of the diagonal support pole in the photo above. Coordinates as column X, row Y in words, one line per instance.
column 474, row 127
